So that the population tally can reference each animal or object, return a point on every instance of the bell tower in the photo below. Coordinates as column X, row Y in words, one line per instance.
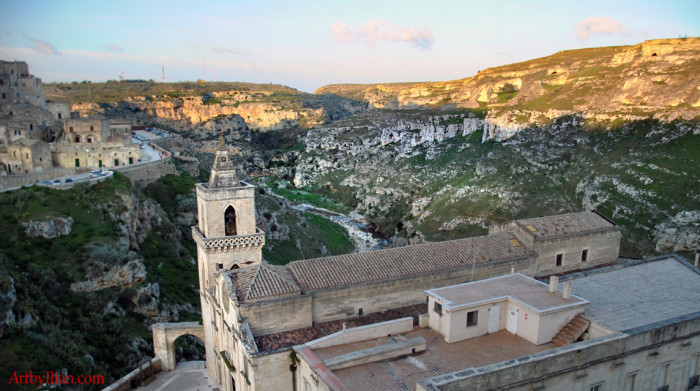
column 226, row 236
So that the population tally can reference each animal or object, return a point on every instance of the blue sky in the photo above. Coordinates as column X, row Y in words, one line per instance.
column 308, row 44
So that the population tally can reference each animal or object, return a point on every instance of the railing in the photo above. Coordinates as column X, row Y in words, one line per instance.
column 136, row 377
column 226, row 243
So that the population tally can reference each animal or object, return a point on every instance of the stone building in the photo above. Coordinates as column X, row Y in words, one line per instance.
column 27, row 156
column 28, row 124
column 322, row 324
column 18, row 86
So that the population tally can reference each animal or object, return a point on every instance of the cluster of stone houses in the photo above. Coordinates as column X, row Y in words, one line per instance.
column 37, row 136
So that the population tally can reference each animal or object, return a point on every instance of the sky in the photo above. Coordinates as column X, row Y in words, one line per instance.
column 309, row 44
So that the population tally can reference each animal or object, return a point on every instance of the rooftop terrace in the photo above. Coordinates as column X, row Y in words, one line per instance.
column 439, row 358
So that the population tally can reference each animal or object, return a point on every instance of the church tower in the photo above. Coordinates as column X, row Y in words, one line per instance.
column 226, row 236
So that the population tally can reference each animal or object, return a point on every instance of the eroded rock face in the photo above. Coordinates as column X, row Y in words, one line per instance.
column 122, row 276
column 681, row 232
column 50, row 228
column 139, row 218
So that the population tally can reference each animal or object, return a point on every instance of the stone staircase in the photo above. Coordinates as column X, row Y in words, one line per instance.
column 572, row 331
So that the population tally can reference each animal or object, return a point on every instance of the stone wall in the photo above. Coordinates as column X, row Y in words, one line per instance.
column 610, row 361
column 145, row 173
column 12, row 181
column 602, row 248
column 279, row 315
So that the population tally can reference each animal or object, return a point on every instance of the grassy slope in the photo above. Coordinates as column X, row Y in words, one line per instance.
column 568, row 80
column 69, row 326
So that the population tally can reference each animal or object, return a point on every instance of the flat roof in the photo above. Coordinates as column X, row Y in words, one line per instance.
column 439, row 358
column 549, row 227
column 641, row 293
column 517, row 287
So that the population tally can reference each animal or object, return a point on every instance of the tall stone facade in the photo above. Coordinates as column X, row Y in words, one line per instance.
column 227, row 238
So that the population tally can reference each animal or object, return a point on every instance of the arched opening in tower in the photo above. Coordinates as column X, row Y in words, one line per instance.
column 230, row 219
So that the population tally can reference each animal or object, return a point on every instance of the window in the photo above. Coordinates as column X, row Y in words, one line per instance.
column 694, row 379
column 584, row 255
column 71, row 128
column 92, row 128
column 597, row 387
column 629, row 381
column 230, row 221
column 560, row 257
column 2, row 82
column 31, row 126
column 663, row 375
column 472, row 318
column 3, row 96
column 437, row 307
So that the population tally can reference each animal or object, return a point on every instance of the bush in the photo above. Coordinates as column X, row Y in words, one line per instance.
column 112, row 255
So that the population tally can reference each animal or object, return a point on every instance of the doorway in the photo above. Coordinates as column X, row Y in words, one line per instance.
column 512, row 324
column 494, row 318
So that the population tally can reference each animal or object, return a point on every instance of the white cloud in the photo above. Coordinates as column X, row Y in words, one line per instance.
column 43, row 46
column 598, row 25
column 114, row 48
column 374, row 31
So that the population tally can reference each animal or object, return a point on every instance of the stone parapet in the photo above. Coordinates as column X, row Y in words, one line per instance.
column 228, row 243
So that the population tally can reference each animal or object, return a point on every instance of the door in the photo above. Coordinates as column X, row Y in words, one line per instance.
column 512, row 324
column 100, row 163
column 494, row 318
column 77, row 162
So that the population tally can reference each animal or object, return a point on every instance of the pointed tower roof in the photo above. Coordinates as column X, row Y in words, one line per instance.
column 223, row 173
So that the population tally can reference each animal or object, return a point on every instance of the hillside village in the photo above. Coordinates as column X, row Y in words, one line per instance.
column 44, row 137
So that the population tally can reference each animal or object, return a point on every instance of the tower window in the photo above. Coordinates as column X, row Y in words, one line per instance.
column 230, row 221
column 584, row 255
column 560, row 257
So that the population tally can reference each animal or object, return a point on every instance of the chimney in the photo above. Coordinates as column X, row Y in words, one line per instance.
column 567, row 290
column 512, row 269
column 697, row 258
column 344, row 326
column 553, row 284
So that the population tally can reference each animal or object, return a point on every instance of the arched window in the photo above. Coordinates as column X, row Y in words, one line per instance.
column 230, row 221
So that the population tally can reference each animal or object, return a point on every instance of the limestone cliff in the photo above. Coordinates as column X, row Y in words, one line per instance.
column 234, row 110
column 655, row 79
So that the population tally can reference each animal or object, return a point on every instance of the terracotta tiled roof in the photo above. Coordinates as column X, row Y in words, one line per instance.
column 263, row 281
column 350, row 269
column 566, row 224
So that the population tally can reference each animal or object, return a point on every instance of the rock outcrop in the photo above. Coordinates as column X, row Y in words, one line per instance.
column 120, row 276
column 50, row 228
